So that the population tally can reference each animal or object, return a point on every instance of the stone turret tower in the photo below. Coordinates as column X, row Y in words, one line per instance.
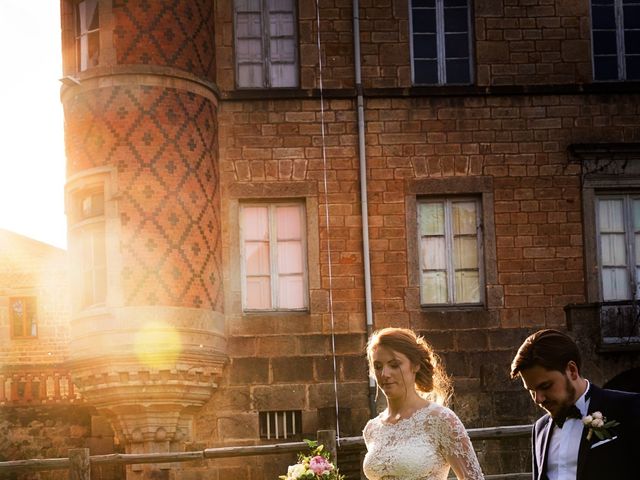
column 140, row 101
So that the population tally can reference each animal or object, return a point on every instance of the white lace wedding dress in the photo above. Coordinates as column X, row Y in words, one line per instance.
column 421, row 447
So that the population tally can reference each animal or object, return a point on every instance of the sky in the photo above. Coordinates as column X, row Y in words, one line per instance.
column 32, row 159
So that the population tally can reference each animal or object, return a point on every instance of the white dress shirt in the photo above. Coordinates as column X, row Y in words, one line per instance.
column 562, row 460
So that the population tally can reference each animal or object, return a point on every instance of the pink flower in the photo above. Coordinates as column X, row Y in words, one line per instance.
column 320, row 465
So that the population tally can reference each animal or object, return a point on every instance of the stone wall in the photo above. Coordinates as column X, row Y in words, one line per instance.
column 49, row 432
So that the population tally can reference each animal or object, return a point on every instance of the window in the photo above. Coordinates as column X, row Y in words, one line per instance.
column 23, row 315
column 266, row 53
column 273, row 257
column 616, row 39
column 450, row 251
column 87, row 24
column 88, row 240
column 618, row 223
column 440, row 43
column 281, row 424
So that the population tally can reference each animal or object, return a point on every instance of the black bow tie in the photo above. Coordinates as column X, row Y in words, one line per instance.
column 572, row 412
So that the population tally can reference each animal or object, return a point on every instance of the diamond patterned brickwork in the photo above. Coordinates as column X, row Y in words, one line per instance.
column 163, row 144
column 172, row 33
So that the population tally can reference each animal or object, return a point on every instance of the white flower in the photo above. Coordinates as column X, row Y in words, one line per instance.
column 597, row 423
column 587, row 419
column 597, row 415
column 296, row 471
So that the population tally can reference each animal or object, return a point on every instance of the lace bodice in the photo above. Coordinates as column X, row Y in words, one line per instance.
column 421, row 447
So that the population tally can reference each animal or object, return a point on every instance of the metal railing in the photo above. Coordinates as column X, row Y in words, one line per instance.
column 80, row 461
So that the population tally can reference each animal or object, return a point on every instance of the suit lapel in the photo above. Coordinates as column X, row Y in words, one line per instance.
column 595, row 403
column 542, row 445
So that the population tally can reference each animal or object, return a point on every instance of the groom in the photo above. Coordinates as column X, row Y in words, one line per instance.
column 548, row 362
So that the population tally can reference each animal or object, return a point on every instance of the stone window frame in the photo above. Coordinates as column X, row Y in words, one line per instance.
column 273, row 243
column 440, row 44
column 273, row 192
column 34, row 324
column 86, row 35
column 105, row 180
column 606, row 168
column 447, row 202
column 621, row 55
column 480, row 187
column 266, row 56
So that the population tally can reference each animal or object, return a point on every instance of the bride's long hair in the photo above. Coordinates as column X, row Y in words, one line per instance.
column 432, row 380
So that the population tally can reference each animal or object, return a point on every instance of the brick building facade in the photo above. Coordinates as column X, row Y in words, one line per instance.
column 219, row 168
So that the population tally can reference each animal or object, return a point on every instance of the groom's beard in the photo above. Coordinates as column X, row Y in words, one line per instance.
column 559, row 407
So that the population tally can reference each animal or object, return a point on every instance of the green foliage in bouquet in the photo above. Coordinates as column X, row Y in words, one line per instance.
column 315, row 465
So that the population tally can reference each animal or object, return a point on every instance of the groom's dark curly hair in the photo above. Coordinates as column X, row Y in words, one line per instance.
column 550, row 349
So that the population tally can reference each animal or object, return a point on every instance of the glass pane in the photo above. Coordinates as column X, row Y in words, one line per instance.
column 465, row 253
column 17, row 315
column 258, row 296
column 458, row 71
column 613, row 250
column 424, row 20
column 637, row 246
column 611, row 215
column 431, row 218
column 455, row 20
column 426, row 72
column 605, row 68
column 615, row 284
column 632, row 42
column 433, row 253
column 464, row 218
column 255, row 223
column 93, row 49
column 631, row 16
column 467, row 287
column 455, row 3
column 423, row 3
column 91, row 14
column 256, row 258
column 603, row 17
column 248, row 50
column 248, row 25
column 281, row 25
column 100, row 292
column 250, row 76
column 283, row 50
column 288, row 222
column 633, row 66
column 247, row 5
column 425, row 46
column 289, row 257
column 434, row 287
column 283, row 75
column 456, row 45
column 605, row 43
column 636, row 215
column 281, row 5
column 291, row 292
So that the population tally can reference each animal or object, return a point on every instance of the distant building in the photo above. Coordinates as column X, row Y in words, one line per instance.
column 215, row 207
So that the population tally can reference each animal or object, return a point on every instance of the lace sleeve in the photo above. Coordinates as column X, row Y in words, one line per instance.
column 456, row 447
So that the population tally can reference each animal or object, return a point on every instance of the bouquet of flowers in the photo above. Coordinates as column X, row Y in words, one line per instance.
column 314, row 466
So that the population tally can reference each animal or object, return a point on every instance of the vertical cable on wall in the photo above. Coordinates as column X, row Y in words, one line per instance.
column 326, row 214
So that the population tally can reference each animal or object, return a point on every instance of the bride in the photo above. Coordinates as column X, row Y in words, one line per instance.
column 416, row 437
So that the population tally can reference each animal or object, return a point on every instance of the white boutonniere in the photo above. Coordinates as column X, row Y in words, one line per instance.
column 598, row 425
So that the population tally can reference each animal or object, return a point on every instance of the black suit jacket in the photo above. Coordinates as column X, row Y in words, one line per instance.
column 618, row 458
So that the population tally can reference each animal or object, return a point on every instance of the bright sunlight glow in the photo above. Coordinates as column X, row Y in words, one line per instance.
column 32, row 172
